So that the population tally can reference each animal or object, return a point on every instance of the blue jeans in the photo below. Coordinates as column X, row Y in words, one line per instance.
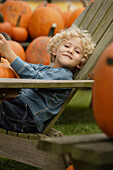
column 16, row 116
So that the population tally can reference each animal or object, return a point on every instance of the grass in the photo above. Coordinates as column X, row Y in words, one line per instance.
column 77, row 118
column 7, row 164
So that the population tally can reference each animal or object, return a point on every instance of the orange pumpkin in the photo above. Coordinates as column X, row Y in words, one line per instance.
column 50, row 5
column 42, row 19
column 103, row 92
column 18, row 33
column 66, row 15
column 11, row 10
column 5, row 27
column 36, row 52
column 17, row 48
column 74, row 16
column 6, row 70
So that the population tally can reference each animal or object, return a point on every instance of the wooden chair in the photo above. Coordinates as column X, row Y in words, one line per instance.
column 97, row 19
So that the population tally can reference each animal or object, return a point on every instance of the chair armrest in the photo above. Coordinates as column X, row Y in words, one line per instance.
column 34, row 83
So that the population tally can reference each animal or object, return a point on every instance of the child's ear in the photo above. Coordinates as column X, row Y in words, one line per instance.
column 53, row 51
column 78, row 66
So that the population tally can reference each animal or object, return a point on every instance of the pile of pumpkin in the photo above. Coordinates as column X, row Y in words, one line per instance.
column 21, row 24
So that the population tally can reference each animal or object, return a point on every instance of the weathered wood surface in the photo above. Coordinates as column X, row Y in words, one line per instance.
column 88, row 152
column 56, row 0
column 10, row 87
column 34, row 83
column 51, row 133
column 25, row 151
column 61, row 145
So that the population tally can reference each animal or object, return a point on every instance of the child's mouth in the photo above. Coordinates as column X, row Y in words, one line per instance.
column 67, row 56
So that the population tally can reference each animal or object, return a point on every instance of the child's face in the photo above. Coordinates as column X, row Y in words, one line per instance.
column 69, row 54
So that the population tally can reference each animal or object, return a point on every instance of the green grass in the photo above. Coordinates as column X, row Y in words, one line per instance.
column 77, row 118
column 7, row 164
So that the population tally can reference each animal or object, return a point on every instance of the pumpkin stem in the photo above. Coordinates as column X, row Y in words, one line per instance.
column 2, row 1
column 84, row 2
column 49, row 1
column 18, row 21
column 1, row 18
column 52, row 30
column 45, row 3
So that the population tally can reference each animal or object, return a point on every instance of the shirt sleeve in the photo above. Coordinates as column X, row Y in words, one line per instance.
column 39, row 71
column 26, row 70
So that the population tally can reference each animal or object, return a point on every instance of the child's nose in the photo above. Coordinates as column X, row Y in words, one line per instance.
column 71, row 50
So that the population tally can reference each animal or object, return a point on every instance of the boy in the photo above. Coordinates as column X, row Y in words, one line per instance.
column 33, row 108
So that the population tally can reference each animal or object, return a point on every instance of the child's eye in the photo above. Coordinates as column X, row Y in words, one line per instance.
column 77, row 52
column 66, row 46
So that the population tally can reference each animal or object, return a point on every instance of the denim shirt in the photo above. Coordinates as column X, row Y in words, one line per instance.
column 46, row 102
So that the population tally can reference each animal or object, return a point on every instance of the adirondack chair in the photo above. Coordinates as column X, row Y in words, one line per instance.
column 97, row 19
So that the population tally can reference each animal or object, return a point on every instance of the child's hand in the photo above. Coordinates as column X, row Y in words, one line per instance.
column 6, row 50
column 4, row 45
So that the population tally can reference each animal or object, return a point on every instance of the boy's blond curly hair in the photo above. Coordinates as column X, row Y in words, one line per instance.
column 73, row 31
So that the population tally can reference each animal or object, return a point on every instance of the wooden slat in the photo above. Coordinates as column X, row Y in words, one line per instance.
column 81, row 17
column 56, row 0
column 25, row 151
column 34, row 83
column 98, row 18
column 103, row 26
column 93, row 10
column 62, row 145
column 95, row 15
column 93, row 152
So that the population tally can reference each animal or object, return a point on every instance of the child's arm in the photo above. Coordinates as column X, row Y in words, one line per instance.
column 6, row 50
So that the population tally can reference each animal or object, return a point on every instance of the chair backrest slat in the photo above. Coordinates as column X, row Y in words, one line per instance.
column 92, row 10
column 103, row 25
column 81, row 17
